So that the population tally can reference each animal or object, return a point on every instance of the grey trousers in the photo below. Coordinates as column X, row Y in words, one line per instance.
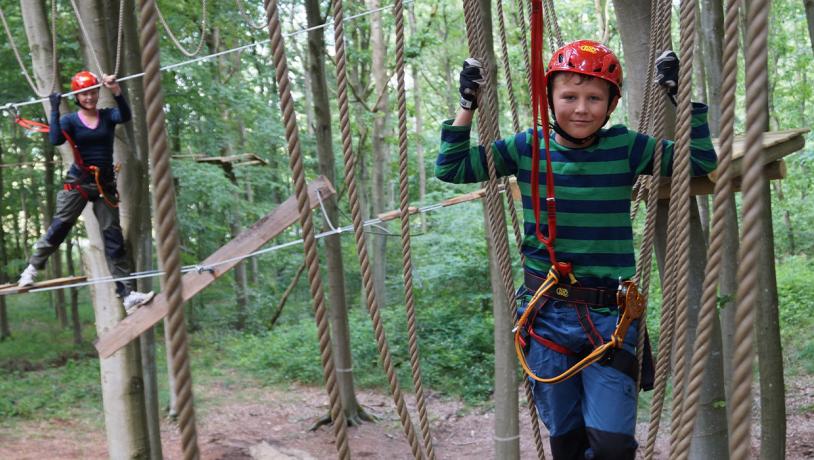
column 69, row 206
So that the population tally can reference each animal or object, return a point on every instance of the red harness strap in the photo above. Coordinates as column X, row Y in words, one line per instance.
column 539, row 109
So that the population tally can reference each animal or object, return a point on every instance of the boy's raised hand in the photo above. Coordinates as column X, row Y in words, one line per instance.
column 471, row 78
column 667, row 72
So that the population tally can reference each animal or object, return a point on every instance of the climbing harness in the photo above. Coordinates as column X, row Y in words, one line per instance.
column 94, row 171
column 630, row 307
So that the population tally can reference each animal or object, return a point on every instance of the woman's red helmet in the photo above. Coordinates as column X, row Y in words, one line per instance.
column 83, row 79
column 587, row 57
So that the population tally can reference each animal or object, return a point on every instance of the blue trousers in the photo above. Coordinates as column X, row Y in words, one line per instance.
column 593, row 414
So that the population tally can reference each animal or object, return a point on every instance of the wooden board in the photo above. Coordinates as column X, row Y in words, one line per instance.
column 247, row 242
column 7, row 289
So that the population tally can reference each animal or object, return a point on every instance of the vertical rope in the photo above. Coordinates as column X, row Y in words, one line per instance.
column 681, row 173
column 166, row 231
column 667, row 321
column 752, row 205
column 358, row 230
column 309, row 242
column 518, row 235
column 721, row 203
column 406, row 251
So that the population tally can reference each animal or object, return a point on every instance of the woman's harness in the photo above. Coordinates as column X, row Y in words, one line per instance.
column 31, row 125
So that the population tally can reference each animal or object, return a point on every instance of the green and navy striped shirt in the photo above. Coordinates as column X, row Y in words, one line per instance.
column 592, row 187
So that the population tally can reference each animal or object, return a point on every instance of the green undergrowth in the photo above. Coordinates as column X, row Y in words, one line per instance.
column 44, row 375
column 796, row 298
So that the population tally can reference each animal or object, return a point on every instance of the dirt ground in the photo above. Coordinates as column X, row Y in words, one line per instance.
column 255, row 423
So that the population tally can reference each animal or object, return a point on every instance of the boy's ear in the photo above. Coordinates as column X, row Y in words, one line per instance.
column 612, row 105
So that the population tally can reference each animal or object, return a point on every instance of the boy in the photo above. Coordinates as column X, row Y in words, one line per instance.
column 593, row 414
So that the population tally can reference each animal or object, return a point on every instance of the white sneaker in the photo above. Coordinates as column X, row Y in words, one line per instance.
column 27, row 276
column 136, row 299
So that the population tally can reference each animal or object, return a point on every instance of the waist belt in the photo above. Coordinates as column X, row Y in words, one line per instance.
column 591, row 296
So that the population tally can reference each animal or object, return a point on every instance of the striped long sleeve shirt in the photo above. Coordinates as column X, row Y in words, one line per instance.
column 592, row 188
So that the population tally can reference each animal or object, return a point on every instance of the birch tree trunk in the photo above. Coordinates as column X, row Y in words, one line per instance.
column 122, row 384
column 381, row 150
column 134, row 185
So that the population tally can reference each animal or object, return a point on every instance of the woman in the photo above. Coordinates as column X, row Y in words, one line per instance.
column 90, row 132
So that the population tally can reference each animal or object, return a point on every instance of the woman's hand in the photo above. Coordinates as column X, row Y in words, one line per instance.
column 109, row 82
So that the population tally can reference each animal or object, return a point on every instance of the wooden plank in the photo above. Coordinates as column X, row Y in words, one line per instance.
column 247, row 242
column 7, row 289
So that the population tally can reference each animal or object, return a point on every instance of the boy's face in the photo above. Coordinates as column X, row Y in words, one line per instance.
column 580, row 104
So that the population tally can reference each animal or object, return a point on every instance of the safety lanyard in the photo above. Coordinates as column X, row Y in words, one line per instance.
column 31, row 125
column 539, row 109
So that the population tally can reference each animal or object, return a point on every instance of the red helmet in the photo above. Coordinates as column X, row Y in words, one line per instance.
column 83, row 79
column 587, row 57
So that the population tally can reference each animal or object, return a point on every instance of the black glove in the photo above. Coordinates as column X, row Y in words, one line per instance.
column 667, row 73
column 55, row 99
column 471, row 78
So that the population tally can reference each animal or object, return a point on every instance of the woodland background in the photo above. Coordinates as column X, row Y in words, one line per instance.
column 258, row 323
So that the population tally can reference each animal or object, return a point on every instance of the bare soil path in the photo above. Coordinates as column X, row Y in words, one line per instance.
column 272, row 423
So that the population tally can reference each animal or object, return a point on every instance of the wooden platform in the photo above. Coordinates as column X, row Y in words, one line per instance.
column 245, row 243
column 7, row 289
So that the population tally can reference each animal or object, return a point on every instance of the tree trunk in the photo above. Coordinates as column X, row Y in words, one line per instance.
column 134, row 184
column 809, row 7
column 712, row 34
column 633, row 19
column 76, row 323
column 419, row 125
column 727, row 291
column 787, row 223
column 337, row 304
column 55, row 261
column 381, row 150
column 506, row 425
column 5, row 331
column 122, row 383
column 770, row 351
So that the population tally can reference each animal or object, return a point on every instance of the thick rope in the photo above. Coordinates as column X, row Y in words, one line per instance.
column 524, row 32
column 518, row 235
column 310, row 247
column 358, row 230
column 721, row 204
column 667, row 321
column 175, row 39
column 35, row 87
column 119, row 34
column 681, row 161
column 752, row 205
column 406, row 251
column 166, row 231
